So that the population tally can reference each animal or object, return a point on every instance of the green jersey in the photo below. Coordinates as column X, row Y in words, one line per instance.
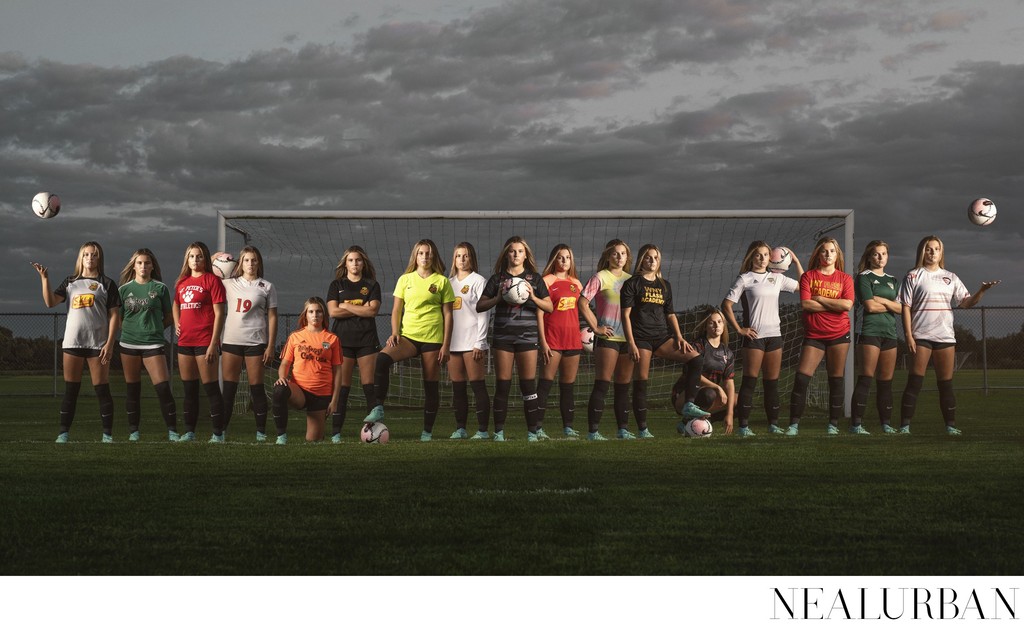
column 143, row 307
column 869, row 285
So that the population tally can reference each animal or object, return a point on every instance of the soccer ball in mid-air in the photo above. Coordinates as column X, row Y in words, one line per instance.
column 517, row 292
column 222, row 265
column 697, row 428
column 587, row 337
column 46, row 205
column 780, row 260
column 980, row 212
column 374, row 433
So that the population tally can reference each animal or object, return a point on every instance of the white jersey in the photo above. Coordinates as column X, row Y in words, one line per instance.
column 758, row 295
column 247, row 304
column 930, row 296
column 469, row 328
column 89, row 302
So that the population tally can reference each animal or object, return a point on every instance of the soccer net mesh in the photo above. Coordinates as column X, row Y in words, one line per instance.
column 701, row 252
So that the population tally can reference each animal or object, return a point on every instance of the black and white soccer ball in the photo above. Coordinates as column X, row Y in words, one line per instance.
column 518, row 291
column 981, row 211
column 46, row 205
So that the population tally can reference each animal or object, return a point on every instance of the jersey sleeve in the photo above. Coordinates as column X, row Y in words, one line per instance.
column 332, row 291
column 592, row 288
column 730, row 366
column 628, row 293
column 335, row 351
column 848, row 287
column 375, row 292
column 736, row 291
column 491, row 288
column 668, row 308
column 165, row 299
column 906, row 296
column 447, row 292
column 113, row 295
column 805, row 286
column 288, row 354
column 217, row 293
column 789, row 285
column 540, row 289
column 863, row 289
column 271, row 296
column 960, row 292
column 62, row 290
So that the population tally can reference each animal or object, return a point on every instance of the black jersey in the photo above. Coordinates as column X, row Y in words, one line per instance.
column 719, row 363
column 651, row 301
column 515, row 323
column 355, row 332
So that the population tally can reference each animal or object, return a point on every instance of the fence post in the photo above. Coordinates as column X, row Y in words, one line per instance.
column 984, row 353
column 55, row 355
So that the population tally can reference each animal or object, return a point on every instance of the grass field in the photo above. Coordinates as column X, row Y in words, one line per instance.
column 877, row 505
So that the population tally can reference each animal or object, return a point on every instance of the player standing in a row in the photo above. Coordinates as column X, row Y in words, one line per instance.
column 826, row 296
column 421, row 324
column 250, row 333
column 560, row 344
column 353, row 301
column 145, row 313
column 758, row 290
column 198, row 311
column 876, row 343
column 651, row 327
column 93, row 302
column 927, row 295
column 469, row 343
column 601, row 308
column 516, row 334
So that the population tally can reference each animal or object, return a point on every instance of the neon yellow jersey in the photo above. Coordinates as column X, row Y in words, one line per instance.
column 423, row 319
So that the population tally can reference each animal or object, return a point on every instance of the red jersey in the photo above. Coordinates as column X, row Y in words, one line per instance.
column 827, row 324
column 195, row 298
column 562, row 326
column 313, row 356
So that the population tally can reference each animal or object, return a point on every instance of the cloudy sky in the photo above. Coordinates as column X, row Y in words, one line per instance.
column 148, row 116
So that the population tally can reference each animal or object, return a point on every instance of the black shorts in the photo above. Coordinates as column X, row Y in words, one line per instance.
column 651, row 344
column 192, row 351
column 882, row 343
column 244, row 351
column 568, row 353
column 354, row 352
column 924, row 343
column 822, row 344
column 422, row 347
column 619, row 346
column 514, row 347
column 314, row 402
column 145, row 353
column 767, row 344
column 84, row 353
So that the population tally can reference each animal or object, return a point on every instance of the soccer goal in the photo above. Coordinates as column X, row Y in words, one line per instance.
column 701, row 249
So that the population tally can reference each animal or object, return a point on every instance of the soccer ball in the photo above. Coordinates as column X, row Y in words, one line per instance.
column 779, row 260
column 587, row 337
column 374, row 433
column 517, row 292
column 698, row 428
column 980, row 212
column 46, row 205
column 223, row 265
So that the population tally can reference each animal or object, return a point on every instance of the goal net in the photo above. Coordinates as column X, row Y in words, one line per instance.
column 701, row 256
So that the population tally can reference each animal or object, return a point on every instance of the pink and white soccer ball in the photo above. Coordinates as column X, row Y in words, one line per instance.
column 587, row 337
column 374, row 433
column 698, row 428
column 518, row 291
column 981, row 211
column 46, row 205
column 780, row 260
column 223, row 265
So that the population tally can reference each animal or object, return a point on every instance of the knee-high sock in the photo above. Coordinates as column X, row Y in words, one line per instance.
column 431, row 403
column 745, row 400
column 381, row 378
column 640, row 403
column 280, row 406
column 230, row 390
column 258, row 393
column 460, row 403
column 771, row 400
column 836, row 396
column 947, row 402
column 544, row 386
column 595, row 406
column 167, row 405
column 106, row 407
column 338, row 417
column 909, row 403
column 216, row 400
column 190, row 405
column 798, row 399
column 567, row 402
column 501, row 390
column 133, row 404
column 528, row 388
column 68, row 405
column 483, row 404
column 706, row 397
column 884, row 401
column 859, row 400
column 620, row 400
column 693, row 371
column 371, row 398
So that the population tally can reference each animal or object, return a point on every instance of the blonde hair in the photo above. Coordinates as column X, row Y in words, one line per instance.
column 473, row 265
column 128, row 273
column 702, row 325
column 435, row 257
column 640, row 258
column 866, row 256
column 920, row 251
column 530, row 264
column 248, row 249
column 185, row 271
column 303, row 320
column 99, row 263
column 341, row 270
column 606, row 256
column 815, row 262
column 748, row 259
column 550, row 267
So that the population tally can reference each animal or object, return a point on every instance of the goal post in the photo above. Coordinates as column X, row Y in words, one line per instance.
column 701, row 251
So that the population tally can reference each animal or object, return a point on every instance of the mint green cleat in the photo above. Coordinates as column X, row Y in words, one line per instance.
column 570, row 432
column 625, row 434
column 261, row 436
column 426, row 436
column 531, row 436
column 831, row 429
column 480, row 435
column 134, row 437
column 774, row 429
column 595, row 436
column 541, row 435
column 460, row 434
column 951, row 430
column 172, row 436
column 887, row 429
column 859, row 430
column 108, row 439
column 905, row 429
column 282, row 439
column 691, row 410
column 645, row 434
column 335, row 439
column 188, row 436
column 62, row 438
column 376, row 415
column 217, row 439
column 499, row 436
column 745, row 432
column 794, row 429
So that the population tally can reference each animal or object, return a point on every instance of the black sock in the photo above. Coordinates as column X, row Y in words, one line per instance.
column 693, row 367
column 216, row 401
column 620, row 401
column 133, row 404
column 483, row 404
column 167, row 405
column 567, row 403
column 798, row 399
column 230, row 390
column 501, row 390
column 258, row 393
column 859, row 400
column 106, row 407
column 68, row 405
column 190, row 405
column 381, row 378
column 460, row 403
column 771, row 400
column 884, row 401
column 431, row 403
column 745, row 400
column 640, row 403
column 280, row 406
column 947, row 402
column 338, row 417
column 836, row 396
column 909, row 403
column 543, row 391
column 528, row 388
column 595, row 405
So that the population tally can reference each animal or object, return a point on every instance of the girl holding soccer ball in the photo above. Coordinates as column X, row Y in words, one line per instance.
column 758, row 289
column 560, row 343
column 717, row 394
column 353, row 300
column 469, row 343
column 927, row 295
column 516, row 333
column 93, row 304
column 421, row 325
column 145, row 313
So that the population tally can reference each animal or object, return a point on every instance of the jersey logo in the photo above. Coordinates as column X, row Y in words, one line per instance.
column 756, row 280
column 891, row 285
column 457, row 305
column 86, row 300
column 364, row 291
column 573, row 288
column 93, row 286
column 529, row 277
column 433, row 288
column 771, row 280
column 325, row 345
column 566, row 304
column 464, row 289
column 152, row 295
column 947, row 281
column 187, row 296
column 261, row 285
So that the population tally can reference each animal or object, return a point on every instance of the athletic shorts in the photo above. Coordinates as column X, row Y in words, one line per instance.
column 619, row 346
column 821, row 344
column 145, row 353
column 192, row 351
column 514, row 348
column 924, row 343
column 354, row 352
column 314, row 402
column 883, row 343
column 568, row 353
column 422, row 347
column 244, row 351
column 84, row 353
column 651, row 344
column 766, row 344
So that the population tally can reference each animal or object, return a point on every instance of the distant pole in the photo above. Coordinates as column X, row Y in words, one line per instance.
column 984, row 352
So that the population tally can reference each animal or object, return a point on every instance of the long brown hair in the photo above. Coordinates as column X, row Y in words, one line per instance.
column 128, row 273
column 702, row 325
column 473, row 264
column 341, row 271
column 529, row 265
column 640, row 259
column 550, row 267
column 248, row 249
column 185, row 271
column 304, row 321
column 816, row 253
column 866, row 256
column 435, row 257
column 748, row 259
column 920, row 251
column 78, row 261
column 606, row 256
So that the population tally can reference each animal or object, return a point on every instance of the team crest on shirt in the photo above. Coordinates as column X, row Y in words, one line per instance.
column 572, row 288
column 771, row 280
column 891, row 285
column 95, row 285
column 433, row 288
column 261, row 285
column 529, row 277
column 947, row 280
column 325, row 345
column 465, row 288
column 364, row 291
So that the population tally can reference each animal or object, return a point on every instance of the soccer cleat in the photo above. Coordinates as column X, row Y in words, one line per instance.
column 172, row 436
column 188, row 436
column 460, row 434
column 886, row 428
column 645, row 434
column 217, row 439
column 531, row 436
column 794, row 429
column 63, row 438
column 480, row 435
column 282, row 439
column 134, row 436
column 108, row 439
column 859, row 430
column 951, row 430
column 261, row 436
column 681, row 427
column 624, row 434
column 905, row 429
column 775, row 429
column 426, row 436
column 595, row 436
column 570, row 432
column 376, row 415
column 691, row 410
column 745, row 432
column 335, row 439
column 831, row 429
column 541, row 435
column 499, row 436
